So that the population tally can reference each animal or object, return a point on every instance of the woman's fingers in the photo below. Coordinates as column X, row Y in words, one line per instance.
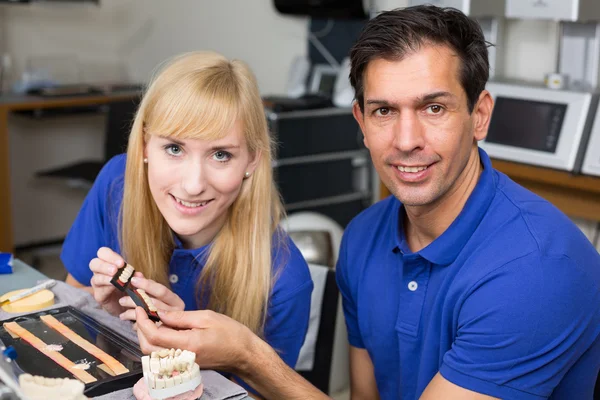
column 99, row 266
column 109, row 256
column 128, row 315
column 101, row 280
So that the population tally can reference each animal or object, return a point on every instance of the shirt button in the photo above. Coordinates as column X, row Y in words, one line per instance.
column 173, row 278
column 412, row 286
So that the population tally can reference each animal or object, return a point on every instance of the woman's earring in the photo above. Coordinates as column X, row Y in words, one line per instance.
column 145, row 161
column 247, row 175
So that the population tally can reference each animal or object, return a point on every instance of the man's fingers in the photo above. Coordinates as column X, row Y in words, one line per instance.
column 162, row 336
column 187, row 319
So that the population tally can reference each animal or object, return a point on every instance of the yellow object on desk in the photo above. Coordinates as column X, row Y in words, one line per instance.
column 35, row 302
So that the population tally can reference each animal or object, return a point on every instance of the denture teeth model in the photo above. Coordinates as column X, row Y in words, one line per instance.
column 121, row 279
column 41, row 388
column 171, row 372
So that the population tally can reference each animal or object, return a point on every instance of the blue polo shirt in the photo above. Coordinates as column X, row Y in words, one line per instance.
column 96, row 226
column 506, row 302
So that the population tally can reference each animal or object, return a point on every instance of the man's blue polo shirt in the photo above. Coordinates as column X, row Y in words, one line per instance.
column 506, row 302
column 96, row 226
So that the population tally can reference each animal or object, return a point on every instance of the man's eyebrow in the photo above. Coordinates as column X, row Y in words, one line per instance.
column 378, row 102
column 420, row 100
column 434, row 96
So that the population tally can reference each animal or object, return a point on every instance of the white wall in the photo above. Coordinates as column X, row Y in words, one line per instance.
column 128, row 38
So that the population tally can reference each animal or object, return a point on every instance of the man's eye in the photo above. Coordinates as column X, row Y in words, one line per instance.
column 173, row 149
column 435, row 109
column 382, row 111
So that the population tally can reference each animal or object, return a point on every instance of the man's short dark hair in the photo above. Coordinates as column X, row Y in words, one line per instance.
column 394, row 34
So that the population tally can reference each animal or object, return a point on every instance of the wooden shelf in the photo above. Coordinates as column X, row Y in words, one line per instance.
column 575, row 195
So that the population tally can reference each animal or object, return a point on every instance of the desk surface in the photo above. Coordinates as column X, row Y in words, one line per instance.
column 23, row 276
column 14, row 102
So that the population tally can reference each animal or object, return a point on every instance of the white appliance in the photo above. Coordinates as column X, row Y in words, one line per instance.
column 591, row 162
column 489, row 14
column 540, row 126
column 563, row 10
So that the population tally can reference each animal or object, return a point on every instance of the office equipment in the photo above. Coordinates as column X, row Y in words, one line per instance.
column 591, row 162
column 343, row 93
column 489, row 14
column 538, row 125
column 321, row 163
column 297, row 77
column 563, row 10
column 322, row 9
column 323, row 79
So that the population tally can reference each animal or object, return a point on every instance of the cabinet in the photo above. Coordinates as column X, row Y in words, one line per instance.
column 559, row 10
column 321, row 164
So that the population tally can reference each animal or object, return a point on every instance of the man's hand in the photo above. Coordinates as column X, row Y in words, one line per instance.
column 218, row 341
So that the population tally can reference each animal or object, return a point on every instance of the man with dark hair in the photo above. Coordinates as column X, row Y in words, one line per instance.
column 462, row 285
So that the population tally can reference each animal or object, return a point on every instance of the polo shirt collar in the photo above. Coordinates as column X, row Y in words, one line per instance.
column 448, row 245
column 194, row 253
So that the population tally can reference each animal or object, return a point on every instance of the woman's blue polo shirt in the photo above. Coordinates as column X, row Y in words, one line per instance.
column 97, row 225
column 506, row 302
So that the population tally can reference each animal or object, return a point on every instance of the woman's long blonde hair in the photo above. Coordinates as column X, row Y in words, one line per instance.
column 200, row 95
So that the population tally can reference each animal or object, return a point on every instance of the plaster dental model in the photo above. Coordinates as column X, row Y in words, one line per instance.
column 41, row 388
column 169, row 373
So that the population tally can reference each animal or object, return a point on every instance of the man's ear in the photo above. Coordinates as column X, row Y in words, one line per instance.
column 359, row 116
column 482, row 115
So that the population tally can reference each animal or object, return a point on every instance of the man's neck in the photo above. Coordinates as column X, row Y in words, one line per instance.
column 424, row 224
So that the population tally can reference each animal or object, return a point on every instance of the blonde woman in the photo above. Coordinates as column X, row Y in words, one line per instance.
column 193, row 207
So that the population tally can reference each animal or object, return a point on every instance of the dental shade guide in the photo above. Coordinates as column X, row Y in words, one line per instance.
column 140, row 298
column 121, row 280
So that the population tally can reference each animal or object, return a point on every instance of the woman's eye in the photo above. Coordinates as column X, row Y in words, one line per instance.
column 173, row 149
column 222, row 156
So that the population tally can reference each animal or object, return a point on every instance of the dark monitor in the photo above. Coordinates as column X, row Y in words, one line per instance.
column 323, row 8
column 526, row 124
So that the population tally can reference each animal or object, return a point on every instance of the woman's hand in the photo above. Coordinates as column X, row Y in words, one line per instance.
column 218, row 341
column 140, row 391
column 104, row 267
column 163, row 298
